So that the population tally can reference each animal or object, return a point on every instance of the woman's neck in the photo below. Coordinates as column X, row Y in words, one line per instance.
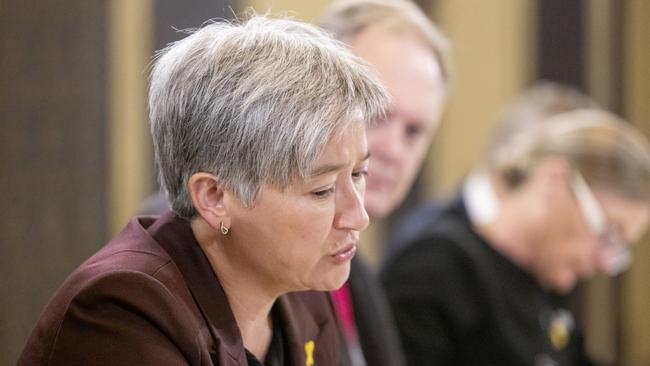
column 507, row 232
column 250, row 301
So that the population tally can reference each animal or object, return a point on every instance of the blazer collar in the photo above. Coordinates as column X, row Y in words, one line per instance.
column 308, row 325
column 175, row 235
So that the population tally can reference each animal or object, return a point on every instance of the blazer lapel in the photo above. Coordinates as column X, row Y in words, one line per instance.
column 175, row 236
column 309, row 328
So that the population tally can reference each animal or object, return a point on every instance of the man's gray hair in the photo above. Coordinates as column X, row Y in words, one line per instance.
column 252, row 102
column 345, row 19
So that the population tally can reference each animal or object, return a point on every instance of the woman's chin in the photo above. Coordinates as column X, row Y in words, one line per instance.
column 335, row 279
column 563, row 285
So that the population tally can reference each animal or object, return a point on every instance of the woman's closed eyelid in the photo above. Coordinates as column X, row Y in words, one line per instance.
column 357, row 175
column 360, row 173
column 323, row 193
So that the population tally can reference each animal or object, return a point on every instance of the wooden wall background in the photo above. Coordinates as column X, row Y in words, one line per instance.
column 634, row 304
column 75, row 156
column 75, row 159
column 52, row 152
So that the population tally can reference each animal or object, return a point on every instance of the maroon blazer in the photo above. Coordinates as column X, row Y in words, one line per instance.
column 150, row 297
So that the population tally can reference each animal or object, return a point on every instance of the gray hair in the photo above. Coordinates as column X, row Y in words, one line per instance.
column 252, row 102
column 347, row 18
column 608, row 151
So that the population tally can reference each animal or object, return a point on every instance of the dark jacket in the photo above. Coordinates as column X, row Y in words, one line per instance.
column 150, row 297
column 457, row 301
column 375, row 325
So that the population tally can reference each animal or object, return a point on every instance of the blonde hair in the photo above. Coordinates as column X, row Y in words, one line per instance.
column 608, row 151
column 536, row 104
column 347, row 18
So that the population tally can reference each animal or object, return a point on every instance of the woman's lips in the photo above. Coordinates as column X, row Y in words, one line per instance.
column 345, row 254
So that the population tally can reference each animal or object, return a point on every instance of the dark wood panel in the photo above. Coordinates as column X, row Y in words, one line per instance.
column 52, row 152
column 561, row 41
column 173, row 15
column 426, row 5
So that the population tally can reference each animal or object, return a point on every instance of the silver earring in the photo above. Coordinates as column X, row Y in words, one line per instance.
column 224, row 230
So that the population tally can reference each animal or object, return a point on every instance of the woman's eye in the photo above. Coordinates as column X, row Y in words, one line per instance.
column 324, row 193
column 360, row 174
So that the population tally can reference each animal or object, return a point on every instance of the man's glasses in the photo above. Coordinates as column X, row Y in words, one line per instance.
column 617, row 256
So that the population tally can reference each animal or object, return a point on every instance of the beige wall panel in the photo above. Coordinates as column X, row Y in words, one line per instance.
column 599, row 310
column 493, row 53
column 309, row 11
column 129, row 146
column 635, row 342
column 636, row 286
column 600, row 33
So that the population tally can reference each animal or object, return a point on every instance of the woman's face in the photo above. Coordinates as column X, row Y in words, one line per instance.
column 573, row 250
column 305, row 236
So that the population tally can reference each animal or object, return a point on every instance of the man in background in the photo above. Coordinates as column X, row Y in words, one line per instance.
column 409, row 55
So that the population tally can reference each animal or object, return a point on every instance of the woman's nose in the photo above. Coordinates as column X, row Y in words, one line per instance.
column 351, row 213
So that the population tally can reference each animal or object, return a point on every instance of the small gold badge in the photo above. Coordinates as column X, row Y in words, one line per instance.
column 559, row 335
column 560, row 327
column 309, row 351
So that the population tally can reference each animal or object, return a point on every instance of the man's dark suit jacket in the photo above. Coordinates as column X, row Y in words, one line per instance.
column 375, row 324
column 150, row 297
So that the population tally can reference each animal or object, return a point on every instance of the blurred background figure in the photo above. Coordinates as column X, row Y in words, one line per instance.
column 558, row 198
column 77, row 162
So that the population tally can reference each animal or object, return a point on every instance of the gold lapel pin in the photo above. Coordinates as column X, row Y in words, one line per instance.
column 309, row 351
column 560, row 327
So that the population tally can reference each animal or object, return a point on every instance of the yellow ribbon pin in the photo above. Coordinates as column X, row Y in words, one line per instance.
column 560, row 327
column 559, row 335
column 309, row 351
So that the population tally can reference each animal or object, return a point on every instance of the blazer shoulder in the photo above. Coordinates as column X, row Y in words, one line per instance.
column 110, row 316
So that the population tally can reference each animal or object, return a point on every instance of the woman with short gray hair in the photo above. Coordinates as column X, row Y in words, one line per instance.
column 259, row 136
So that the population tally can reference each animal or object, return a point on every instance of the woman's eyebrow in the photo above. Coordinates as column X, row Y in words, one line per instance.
column 328, row 168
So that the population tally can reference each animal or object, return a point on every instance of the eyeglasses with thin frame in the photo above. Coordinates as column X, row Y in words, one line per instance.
column 618, row 256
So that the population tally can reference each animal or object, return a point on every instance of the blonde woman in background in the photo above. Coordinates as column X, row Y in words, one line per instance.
column 554, row 203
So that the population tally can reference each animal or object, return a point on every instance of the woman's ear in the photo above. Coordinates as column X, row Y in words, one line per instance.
column 208, row 197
